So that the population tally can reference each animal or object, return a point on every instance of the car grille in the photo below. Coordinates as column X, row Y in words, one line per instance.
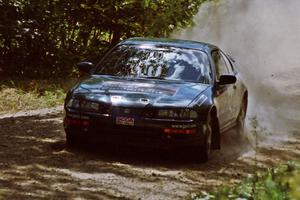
column 125, row 131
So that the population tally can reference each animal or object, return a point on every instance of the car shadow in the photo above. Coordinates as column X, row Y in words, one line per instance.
column 233, row 146
column 45, row 135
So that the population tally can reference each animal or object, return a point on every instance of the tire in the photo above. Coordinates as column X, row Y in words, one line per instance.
column 240, row 127
column 71, row 140
column 205, row 149
column 216, row 136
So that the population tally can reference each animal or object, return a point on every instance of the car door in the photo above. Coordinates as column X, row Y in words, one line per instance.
column 236, row 95
column 224, row 93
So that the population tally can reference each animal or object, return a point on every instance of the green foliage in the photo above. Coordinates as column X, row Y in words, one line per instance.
column 43, row 38
column 277, row 184
column 17, row 95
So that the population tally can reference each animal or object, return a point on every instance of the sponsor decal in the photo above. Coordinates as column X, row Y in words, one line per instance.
column 202, row 99
column 139, row 87
column 184, row 126
column 126, row 121
column 115, row 99
column 144, row 101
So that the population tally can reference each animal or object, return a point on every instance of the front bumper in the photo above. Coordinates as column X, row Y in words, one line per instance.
column 145, row 132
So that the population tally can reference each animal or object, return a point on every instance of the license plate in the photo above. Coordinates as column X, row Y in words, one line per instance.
column 127, row 121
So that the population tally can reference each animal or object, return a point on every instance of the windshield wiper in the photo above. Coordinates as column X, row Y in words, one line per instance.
column 132, row 78
column 153, row 77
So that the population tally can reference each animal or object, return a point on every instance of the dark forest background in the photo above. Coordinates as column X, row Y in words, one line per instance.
column 44, row 38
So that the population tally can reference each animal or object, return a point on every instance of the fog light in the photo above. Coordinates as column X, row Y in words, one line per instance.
column 69, row 121
column 85, row 123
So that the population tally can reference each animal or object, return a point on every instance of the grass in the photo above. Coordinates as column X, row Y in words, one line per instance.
column 21, row 95
column 281, row 183
column 277, row 184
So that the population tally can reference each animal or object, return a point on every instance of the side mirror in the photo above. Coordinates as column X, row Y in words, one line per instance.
column 85, row 66
column 227, row 79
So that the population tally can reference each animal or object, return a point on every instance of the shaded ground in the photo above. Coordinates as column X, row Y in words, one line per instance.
column 35, row 164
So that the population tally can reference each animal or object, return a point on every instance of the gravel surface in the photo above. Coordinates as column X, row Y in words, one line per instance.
column 35, row 164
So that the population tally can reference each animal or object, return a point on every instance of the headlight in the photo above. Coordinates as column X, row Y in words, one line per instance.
column 83, row 104
column 73, row 103
column 87, row 105
column 177, row 113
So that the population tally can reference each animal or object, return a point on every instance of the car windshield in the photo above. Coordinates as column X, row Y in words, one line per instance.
column 153, row 62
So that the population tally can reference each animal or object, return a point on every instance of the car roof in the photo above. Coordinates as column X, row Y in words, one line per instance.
column 172, row 43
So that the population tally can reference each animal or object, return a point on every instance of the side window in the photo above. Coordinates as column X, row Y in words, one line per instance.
column 221, row 67
column 228, row 63
column 202, row 63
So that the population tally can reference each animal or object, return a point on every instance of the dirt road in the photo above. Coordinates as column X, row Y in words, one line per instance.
column 35, row 164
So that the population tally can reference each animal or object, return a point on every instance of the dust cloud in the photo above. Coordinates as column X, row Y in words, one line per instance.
column 264, row 39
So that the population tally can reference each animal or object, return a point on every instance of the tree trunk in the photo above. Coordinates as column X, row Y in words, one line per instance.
column 115, row 37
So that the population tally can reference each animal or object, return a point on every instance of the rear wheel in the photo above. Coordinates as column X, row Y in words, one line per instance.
column 241, row 119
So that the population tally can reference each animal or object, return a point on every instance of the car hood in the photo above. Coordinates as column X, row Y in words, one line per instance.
column 127, row 92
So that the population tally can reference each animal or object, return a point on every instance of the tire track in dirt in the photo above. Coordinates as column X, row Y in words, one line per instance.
column 35, row 163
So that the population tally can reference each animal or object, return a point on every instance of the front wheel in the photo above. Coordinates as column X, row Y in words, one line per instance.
column 205, row 149
column 71, row 140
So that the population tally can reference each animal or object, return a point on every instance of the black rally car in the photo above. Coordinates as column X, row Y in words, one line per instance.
column 158, row 93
